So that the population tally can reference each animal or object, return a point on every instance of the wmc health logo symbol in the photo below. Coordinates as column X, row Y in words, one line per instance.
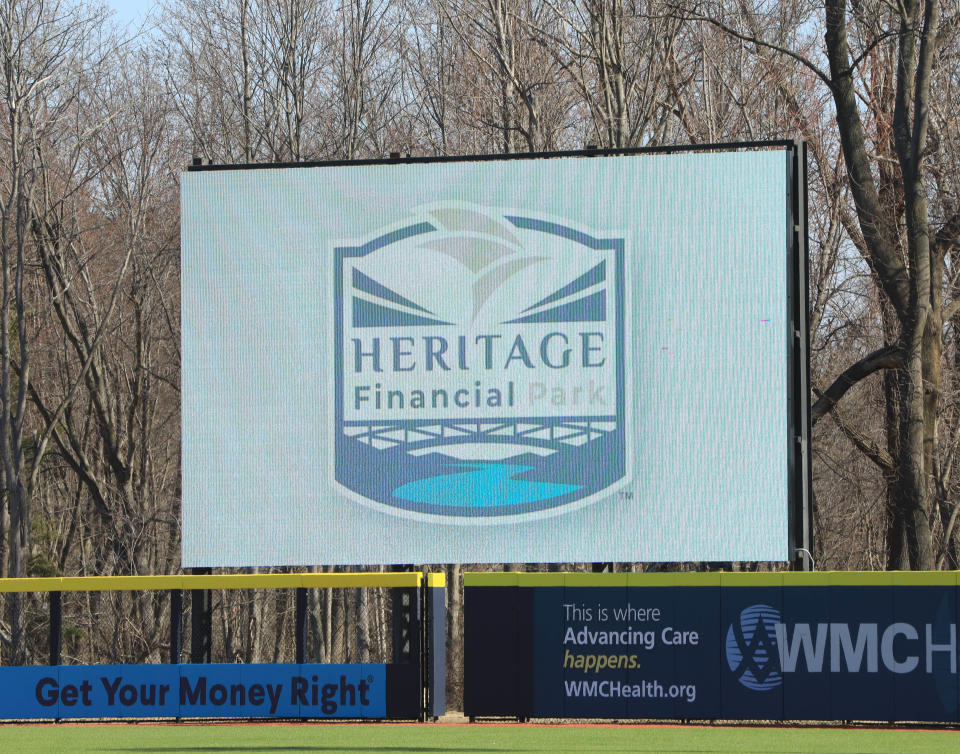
column 479, row 364
column 752, row 648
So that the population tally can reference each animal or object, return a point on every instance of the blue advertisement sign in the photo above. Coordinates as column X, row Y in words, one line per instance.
column 861, row 652
column 218, row 690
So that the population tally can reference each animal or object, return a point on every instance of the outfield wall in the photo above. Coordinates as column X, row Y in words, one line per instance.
column 411, row 686
column 775, row 646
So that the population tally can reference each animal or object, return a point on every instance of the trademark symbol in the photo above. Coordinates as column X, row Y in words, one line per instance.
column 626, row 494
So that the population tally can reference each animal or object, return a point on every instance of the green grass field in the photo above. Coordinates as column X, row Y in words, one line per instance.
column 384, row 737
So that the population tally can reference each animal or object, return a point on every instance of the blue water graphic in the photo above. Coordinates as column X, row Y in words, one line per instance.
column 485, row 485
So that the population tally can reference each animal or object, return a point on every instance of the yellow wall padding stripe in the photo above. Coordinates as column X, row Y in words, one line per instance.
column 715, row 578
column 218, row 581
column 111, row 583
column 492, row 579
column 436, row 580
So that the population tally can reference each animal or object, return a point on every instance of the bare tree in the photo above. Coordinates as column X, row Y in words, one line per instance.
column 364, row 78
column 51, row 54
column 216, row 77
column 520, row 94
column 619, row 55
column 294, row 33
column 887, row 156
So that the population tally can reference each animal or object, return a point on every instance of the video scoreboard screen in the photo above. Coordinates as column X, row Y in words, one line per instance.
column 576, row 358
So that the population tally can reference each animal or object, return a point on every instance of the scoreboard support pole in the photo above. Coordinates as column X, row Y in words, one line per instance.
column 801, row 503
column 176, row 626
column 56, row 626
column 201, row 622
column 300, row 632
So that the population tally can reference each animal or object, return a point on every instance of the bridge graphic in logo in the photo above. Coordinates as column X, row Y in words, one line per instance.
column 479, row 364
column 751, row 648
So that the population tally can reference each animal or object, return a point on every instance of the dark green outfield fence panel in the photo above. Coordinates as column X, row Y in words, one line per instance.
column 792, row 646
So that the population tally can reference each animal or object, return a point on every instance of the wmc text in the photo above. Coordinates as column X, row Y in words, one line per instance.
column 900, row 647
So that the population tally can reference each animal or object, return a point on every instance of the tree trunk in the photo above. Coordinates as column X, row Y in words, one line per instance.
column 16, row 545
column 454, row 636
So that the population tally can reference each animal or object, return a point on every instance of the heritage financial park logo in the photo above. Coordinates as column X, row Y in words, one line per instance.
column 479, row 365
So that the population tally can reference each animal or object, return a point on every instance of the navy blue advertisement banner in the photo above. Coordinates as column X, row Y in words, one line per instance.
column 851, row 652
column 227, row 690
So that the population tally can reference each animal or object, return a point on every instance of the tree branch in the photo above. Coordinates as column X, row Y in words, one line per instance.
column 949, row 312
column 880, row 456
column 948, row 236
column 888, row 357
column 821, row 74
